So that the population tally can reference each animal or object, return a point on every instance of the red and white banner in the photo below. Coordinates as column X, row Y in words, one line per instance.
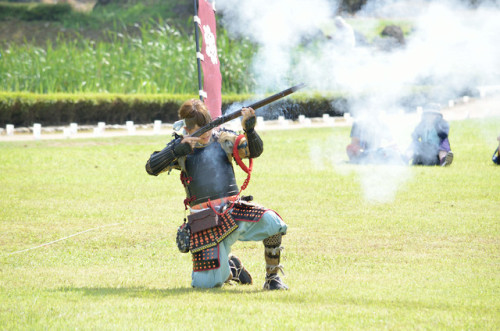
column 212, row 79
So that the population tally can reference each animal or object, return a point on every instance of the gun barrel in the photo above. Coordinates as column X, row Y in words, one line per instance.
column 226, row 118
column 276, row 96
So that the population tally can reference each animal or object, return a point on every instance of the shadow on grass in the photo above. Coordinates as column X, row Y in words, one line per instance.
column 143, row 292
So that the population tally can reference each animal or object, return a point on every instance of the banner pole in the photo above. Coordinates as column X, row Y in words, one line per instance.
column 197, row 46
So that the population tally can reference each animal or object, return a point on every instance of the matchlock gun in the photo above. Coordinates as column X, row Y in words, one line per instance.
column 226, row 118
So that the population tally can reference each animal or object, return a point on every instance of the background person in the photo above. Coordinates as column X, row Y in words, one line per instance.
column 372, row 142
column 496, row 154
column 208, row 176
column 344, row 36
column 430, row 144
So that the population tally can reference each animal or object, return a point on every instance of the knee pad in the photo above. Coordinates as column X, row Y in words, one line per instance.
column 273, row 241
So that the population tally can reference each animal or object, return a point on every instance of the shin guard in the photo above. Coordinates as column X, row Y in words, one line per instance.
column 272, row 252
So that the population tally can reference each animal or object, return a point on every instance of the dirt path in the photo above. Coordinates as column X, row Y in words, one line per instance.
column 474, row 108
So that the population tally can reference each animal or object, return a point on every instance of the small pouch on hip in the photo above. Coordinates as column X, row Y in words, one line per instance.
column 203, row 220
column 183, row 237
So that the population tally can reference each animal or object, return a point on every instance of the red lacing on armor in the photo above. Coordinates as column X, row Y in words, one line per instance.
column 185, row 180
column 246, row 169
column 187, row 201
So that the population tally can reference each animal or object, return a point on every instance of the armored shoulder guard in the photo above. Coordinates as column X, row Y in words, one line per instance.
column 255, row 144
column 159, row 161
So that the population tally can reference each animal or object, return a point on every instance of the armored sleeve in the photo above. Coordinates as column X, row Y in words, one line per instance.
column 161, row 160
column 255, row 144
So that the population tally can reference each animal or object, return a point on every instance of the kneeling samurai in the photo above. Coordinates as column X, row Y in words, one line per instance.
column 218, row 216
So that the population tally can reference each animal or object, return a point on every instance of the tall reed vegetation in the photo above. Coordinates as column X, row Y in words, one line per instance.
column 159, row 59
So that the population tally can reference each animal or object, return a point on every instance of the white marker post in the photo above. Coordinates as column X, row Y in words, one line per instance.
column 101, row 126
column 282, row 121
column 157, row 127
column 73, row 128
column 130, row 127
column 327, row 118
column 37, row 130
column 10, row 129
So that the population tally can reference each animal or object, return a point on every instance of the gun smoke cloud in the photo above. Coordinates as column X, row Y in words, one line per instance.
column 451, row 47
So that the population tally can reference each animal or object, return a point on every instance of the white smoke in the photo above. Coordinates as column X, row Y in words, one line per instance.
column 457, row 47
column 451, row 47
column 450, row 44
column 380, row 182
column 277, row 27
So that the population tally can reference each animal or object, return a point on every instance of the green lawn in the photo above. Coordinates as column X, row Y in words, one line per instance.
column 368, row 247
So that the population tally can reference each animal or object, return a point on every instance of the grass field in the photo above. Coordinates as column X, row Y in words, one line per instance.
column 426, row 256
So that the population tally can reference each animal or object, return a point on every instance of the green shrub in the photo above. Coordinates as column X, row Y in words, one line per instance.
column 24, row 109
column 46, row 12
column 12, row 11
column 34, row 12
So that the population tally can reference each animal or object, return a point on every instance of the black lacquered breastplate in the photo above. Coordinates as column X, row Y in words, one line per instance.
column 211, row 174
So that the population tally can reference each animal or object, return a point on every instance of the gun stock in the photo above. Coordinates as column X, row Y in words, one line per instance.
column 226, row 118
